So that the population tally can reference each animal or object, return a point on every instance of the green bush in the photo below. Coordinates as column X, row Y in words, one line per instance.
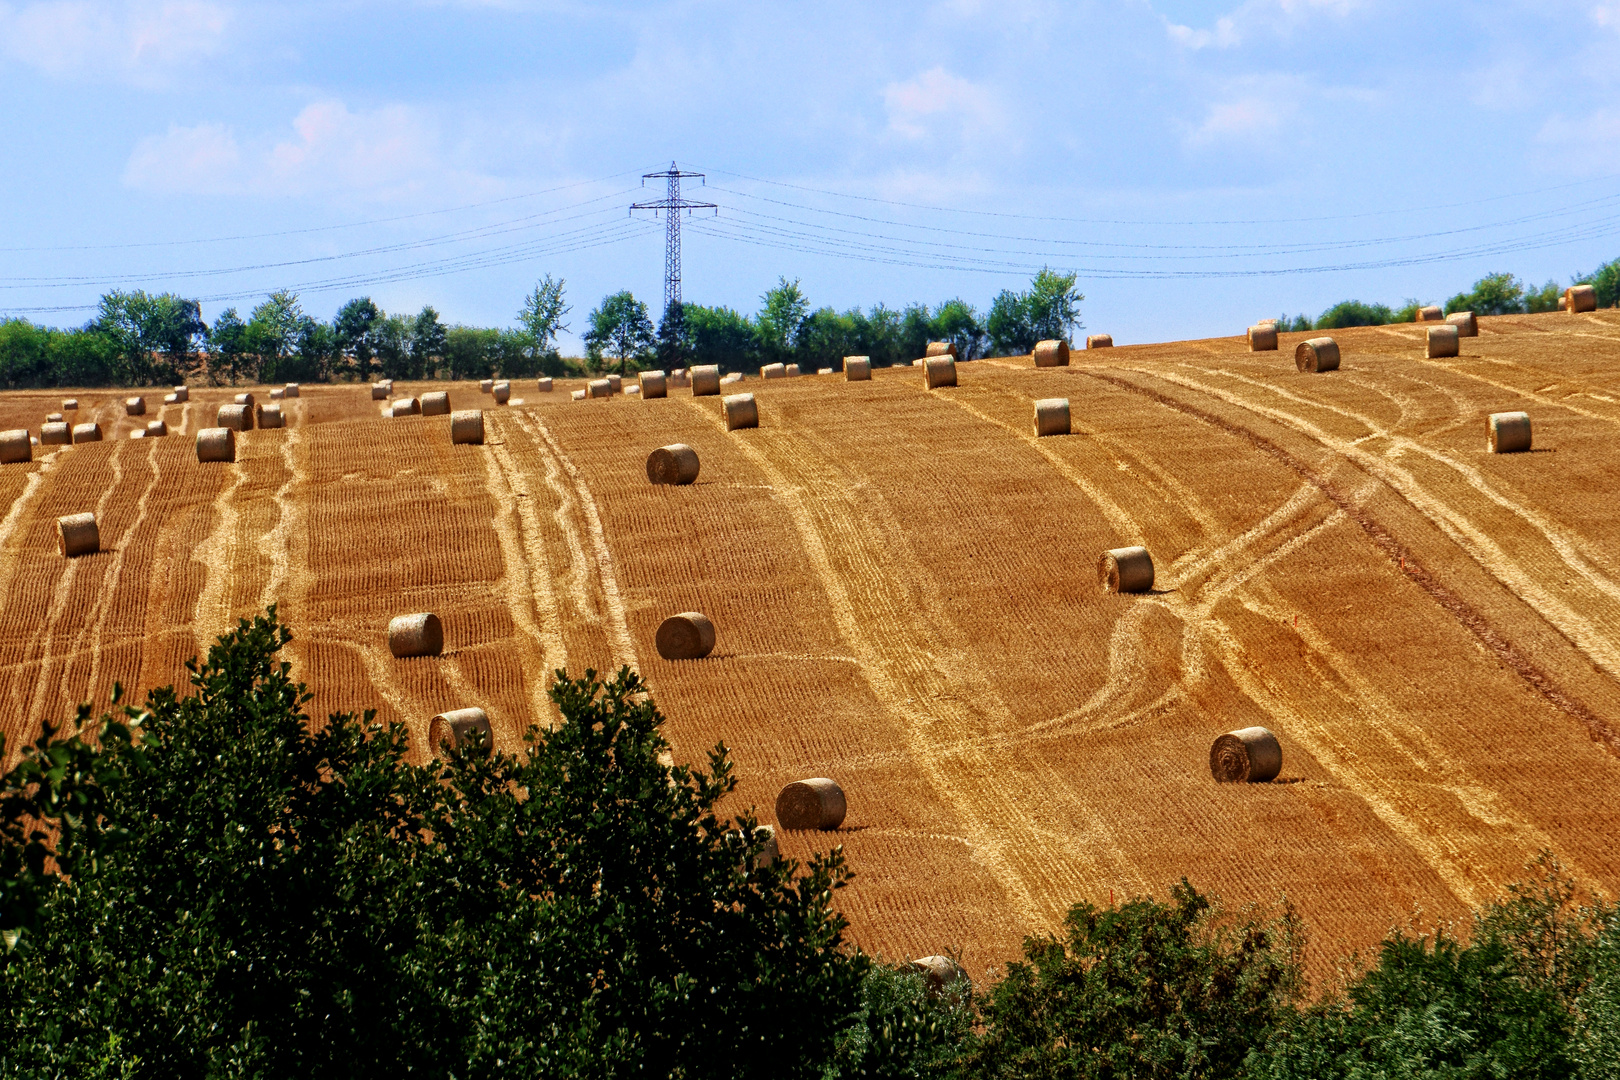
column 1493, row 294
column 1354, row 313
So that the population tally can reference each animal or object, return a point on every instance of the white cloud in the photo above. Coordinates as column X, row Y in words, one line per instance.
column 135, row 40
column 1224, row 36
column 937, row 105
column 1244, row 21
column 1582, row 145
column 1606, row 14
column 1249, row 111
column 391, row 154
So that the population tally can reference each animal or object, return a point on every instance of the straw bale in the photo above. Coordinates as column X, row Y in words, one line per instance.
column 502, row 392
column 577, row 395
column 270, row 416
column 486, row 386
column 633, row 390
column 792, row 371
column 216, row 444
column 1317, row 355
column 387, row 412
column 1247, row 756
column 277, row 393
column 919, row 362
column 1100, row 341
column 70, row 404
column 939, row 973
column 169, row 399
column 457, row 727
column 1508, row 432
column 687, row 636
column 406, row 406
column 182, row 394
column 940, row 348
column 1126, row 570
column 436, row 403
column 705, row 380
column 1464, row 321
column 732, row 379
column 680, row 377
column 291, row 390
column 156, row 429
column 379, row 392
column 1580, row 298
column 1442, row 341
column 236, row 417
column 811, row 804
column 138, row 433
column 467, row 426
column 617, row 382
column 15, row 446
column 598, row 388
column 770, row 851
column 773, row 371
column 86, row 433
column 58, row 434
column 676, row 463
column 1052, row 353
column 1429, row 313
column 857, row 368
column 246, row 399
column 135, row 406
column 420, row 634
column 654, row 384
column 939, row 371
column 1263, row 338
column 1563, row 301
column 77, row 534
column 1052, row 416
column 741, row 412
column 543, row 384
column 54, row 418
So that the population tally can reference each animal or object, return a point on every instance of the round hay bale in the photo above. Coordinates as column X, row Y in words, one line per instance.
column 1262, row 339
column 70, row 404
column 1100, row 341
column 1126, row 570
column 1051, row 353
column 705, row 380
column 235, row 417
column 811, row 804
column 77, row 534
column 156, row 429
column 406, row 406
column 769, row 852
column 633, row 390
column 577, row 395
column 939, row 371
column 58, row 434
column 1464, row 321
column 1266, row 322
column 387, row 412
column 919, row 362
column 135, row 406
column 169, row 399
column 54, row 418
column 773, row 371
column 1249, row 756
column 16, row 446
column 216, row 444
column 457, row 727
column 436, row 403
column 270, row 416
column 741, row 412
column 732, row 379
column 940, row 973
column 1052, row 416
column 676, row 463
column 1442, row 341
column 277, row 393
column 1429, row 313
column 598, row 388
column 616, row 382
column 687, row 636
column 824, row 371
column 857, row 368
column 792, row 371
column 502, row 392
column 467, row 426
column 1508, row 432
column 290, row 390
column 543, row 384
column 182, row 394
column 245, row 399
column 1581, row 298
column 420, row 634
column 653, row 384
column 1563, row 301
column 1317, row 355
column 940, row 348
column 139, row 433
column 86, row 433
column 379, row 392
column 486, row 386
column 388, row 384
column 680, row 377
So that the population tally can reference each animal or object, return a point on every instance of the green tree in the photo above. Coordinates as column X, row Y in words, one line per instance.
column 427, row 343
column 782, row 311
column 956, row 321
column 354, row 328
column 1049, row 310
column 719, row 335
column 542, row 319
column 272, row 334
column 1605, row 282
column 621, row 328
column 1493, row 294
column 1544, row 298
column 156, row 334
column 228, row 349
column 1348, row 313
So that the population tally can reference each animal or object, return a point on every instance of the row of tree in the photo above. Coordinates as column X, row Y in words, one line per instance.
column 217, row 885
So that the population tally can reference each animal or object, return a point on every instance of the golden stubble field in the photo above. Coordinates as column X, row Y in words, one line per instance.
column 904, row 585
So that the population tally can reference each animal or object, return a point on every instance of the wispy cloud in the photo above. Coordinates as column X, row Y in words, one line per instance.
column 937, row 104
column 139, row 41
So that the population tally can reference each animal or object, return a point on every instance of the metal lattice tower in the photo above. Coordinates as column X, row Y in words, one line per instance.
column 672, row 205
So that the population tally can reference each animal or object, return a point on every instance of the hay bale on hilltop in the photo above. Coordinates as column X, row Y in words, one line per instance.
column 1126, row 570
column 1579, row 298
column 680, row 377
column 792, row 371
column 773, row 371
column 1442, row 341
column 156, row 429
column 216, row 444
column 16, row 446
column 270, row 416
column 732, row 379
column 135, row 406
column 1464, row 321
column 1051, row 353
column 617, row 383
column 70, row 404
column 291, row 390
column 687, row 636
column 742, row 411
column 1317, row 355
column 457, row 727
column 577, row 395
column 182, row 394
column 857, row 368
column 54, row 418
column 940, row 348
column 83, row 433
column 598, row 388
column 705, row 380
column 1429, row 313
column 436, row 403
column 58, row 434
column 1052, row 416
column 467, row 426
column 1263, row 338
column 1508, row 432
column 420, row 634
column 77, row 534
column 1248, row 756
column 501, row 392
column 486, row 386
column 1100, row 341
column 406, row 406
column 653, row 384
column 246, row 399
column 277, row 393
column 676, row 463
column 939, row 371
column 379, row 392
column 235, row 417
column 543, row 384
column 817, row 803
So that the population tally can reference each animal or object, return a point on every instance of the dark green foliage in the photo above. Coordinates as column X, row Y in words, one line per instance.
column 620, row 330
column 1493, row 294
column 1544, row 298
column 1050, row 309
column 717, row 335
column 33, row 355
column 294, row 899
column 156, row 336
column 1350, row 313
column 1146, row 989
column 1605, row 281
column 903, row 1029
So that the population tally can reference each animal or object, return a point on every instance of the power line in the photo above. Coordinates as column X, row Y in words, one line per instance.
column 671, row 205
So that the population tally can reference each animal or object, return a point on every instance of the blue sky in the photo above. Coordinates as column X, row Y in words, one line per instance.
column 1201, row 165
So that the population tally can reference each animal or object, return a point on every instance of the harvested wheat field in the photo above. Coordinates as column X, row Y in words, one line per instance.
column 904, row 586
